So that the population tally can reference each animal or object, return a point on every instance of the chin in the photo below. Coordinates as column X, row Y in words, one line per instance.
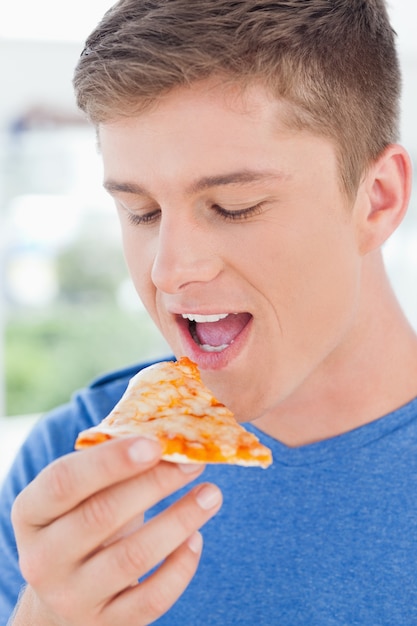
column 245, row 412
column 246, row 403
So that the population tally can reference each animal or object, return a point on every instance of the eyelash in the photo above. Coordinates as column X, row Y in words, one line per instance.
column 240, row 214
column 146, row 219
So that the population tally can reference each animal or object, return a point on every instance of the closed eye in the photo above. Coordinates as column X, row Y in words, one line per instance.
column 150, row 217
column 146, row 219
column 139, row 219
column 238, row 214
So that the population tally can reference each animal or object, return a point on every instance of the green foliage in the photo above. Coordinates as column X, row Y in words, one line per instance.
column 90, row 270
column 51, row 354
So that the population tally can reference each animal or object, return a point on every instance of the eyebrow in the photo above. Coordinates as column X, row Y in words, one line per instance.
column 206, row 182
column 233, row 178
column 113, row 186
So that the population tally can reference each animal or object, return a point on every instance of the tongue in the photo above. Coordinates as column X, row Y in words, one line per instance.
column 222, row 332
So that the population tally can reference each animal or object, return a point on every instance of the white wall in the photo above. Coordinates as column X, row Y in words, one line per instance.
column 36, row 73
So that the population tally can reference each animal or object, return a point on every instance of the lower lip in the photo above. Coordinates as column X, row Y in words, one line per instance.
column 212, row 360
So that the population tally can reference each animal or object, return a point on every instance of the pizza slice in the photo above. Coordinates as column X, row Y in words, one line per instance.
column 169, row 402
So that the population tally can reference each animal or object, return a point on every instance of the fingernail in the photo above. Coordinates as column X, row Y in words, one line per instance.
column 195, row 542
column 142, row 451
column 208, row 496
column 190, row 468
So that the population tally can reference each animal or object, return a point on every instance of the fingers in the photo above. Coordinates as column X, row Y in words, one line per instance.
column 79, row 522
column 73, row 478
column 134, row 556
column 99, row 518
column 156, row 595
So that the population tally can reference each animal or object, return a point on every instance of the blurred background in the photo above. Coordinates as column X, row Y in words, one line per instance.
column 68, row 311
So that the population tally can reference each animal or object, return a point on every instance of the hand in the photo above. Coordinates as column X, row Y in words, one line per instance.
column 79, row 556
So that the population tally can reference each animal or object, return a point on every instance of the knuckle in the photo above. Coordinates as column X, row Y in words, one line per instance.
column 22, row 512
column 161, row 478
column 185, row 568
column 98, row 512
column 59, row 480
column 187, row 517
column 160, row 597
column 110, row 459
column 37, row 557
column 157, row 600
column 18, row 510
column 133, row 557
column 29, row 567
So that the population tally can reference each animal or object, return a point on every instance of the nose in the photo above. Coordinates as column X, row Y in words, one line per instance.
column 185, row 254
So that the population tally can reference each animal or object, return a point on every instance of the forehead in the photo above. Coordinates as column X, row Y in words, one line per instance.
column 203, row 132
column 207, row 106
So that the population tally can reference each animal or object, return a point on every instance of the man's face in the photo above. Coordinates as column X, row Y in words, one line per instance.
column 238, row 238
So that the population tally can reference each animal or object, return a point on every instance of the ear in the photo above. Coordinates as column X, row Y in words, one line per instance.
column 383, row 197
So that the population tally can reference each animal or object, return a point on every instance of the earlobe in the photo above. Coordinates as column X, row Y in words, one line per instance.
column 386, row 188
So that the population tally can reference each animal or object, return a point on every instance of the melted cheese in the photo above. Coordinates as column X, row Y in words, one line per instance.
column 168, row 402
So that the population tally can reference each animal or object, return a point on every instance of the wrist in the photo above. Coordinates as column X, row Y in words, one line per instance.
column 29, row 611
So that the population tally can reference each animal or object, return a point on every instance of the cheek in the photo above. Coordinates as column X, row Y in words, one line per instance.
column 308, row 311
column 310, row 279
column 326, row 300
column 139, row 254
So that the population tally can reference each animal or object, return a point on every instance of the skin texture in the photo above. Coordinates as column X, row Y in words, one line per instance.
column 93, row 497
column 306, row 265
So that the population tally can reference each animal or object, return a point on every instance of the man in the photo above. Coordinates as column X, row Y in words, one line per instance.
column 251, row 150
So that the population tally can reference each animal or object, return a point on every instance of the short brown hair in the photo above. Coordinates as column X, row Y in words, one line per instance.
column 334, row 60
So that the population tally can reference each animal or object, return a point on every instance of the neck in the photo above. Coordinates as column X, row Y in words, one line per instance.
column 373, row 373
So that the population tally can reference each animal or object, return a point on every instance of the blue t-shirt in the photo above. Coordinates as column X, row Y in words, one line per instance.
column 327, row 536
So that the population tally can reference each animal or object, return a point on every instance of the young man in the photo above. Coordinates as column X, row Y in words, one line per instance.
column 251, row 151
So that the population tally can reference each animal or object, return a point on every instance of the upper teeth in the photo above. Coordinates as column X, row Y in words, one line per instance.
column 204, row 318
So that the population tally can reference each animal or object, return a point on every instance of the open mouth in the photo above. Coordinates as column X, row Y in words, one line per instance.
column 215, row 333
